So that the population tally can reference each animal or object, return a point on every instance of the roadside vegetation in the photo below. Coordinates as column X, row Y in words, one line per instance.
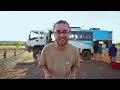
column 12, row 46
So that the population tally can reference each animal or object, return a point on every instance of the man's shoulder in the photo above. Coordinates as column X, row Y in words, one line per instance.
column 47, row 46
column 73, row 47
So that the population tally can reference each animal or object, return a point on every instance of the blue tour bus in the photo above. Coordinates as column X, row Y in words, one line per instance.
column 84, row 40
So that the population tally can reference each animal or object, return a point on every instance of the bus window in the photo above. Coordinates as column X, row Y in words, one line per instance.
column 41, row 35
column 80, row 36
column 77, row 35
column 85, row 36
column 33, row 35
column 71, row 36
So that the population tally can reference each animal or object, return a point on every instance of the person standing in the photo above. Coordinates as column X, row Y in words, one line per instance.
column 112, row 52
column 59, row 59
column 100, row 52
column 95, row 47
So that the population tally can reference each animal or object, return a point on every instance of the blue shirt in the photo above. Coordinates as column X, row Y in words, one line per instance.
column 113, row 51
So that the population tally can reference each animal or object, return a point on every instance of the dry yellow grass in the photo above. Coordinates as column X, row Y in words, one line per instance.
column 11, row 47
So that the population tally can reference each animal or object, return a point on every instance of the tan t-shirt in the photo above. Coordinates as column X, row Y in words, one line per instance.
column 59, row 62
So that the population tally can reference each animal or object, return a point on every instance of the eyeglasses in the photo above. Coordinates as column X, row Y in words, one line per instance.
column 59, row 33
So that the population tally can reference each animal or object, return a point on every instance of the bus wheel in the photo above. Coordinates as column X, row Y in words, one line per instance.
column 36, row 50
column 86, row 55
column 29, row 50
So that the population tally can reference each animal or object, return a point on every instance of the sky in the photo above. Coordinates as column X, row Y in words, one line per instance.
column 16, row 25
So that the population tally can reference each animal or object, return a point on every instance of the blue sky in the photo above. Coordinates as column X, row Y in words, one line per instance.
column 16, row 25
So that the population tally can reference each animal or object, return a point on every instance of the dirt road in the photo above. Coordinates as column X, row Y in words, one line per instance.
column 25, row 68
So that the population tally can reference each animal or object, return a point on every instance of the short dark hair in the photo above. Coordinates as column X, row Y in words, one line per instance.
column 113, row 44
column 61, row 21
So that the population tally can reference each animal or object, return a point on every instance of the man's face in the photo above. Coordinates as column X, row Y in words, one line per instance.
column 61, row 33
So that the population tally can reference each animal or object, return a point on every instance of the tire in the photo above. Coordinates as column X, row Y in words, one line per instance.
column 35, row 52
column 86, row 55
column 29, row 49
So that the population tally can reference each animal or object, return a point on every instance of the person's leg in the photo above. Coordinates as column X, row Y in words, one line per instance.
column 114, row 58
column 101, row 59
column 110, row 58
column 95, row 56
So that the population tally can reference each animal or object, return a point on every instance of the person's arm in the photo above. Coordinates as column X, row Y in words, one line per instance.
column 74, row 70
column 75, row 66
column 43, row 65
column 48, row 74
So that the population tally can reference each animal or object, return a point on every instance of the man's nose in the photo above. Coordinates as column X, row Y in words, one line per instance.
column 61, row 34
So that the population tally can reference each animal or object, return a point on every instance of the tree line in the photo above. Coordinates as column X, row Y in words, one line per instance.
column 12, row 44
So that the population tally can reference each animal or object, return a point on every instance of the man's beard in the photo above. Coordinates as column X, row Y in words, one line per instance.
column 60, row 43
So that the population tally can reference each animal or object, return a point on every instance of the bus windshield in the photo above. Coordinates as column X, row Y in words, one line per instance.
column 34, row 35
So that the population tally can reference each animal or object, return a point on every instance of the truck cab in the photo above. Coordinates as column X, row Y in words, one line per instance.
column 37, row 40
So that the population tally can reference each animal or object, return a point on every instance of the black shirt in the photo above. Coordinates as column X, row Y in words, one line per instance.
column 95, row 49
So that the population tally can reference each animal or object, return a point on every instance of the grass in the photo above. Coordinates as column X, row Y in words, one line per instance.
column 117, row 45
column 12, row 48
column 6, row 65
column 10, row 57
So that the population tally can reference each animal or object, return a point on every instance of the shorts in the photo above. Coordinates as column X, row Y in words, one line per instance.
column 95, row 51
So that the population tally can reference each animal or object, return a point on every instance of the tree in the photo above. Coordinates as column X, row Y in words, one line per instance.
column 1, row 44
column 17, row 44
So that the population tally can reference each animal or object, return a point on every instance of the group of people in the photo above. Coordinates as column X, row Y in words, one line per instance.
column 98, row 52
